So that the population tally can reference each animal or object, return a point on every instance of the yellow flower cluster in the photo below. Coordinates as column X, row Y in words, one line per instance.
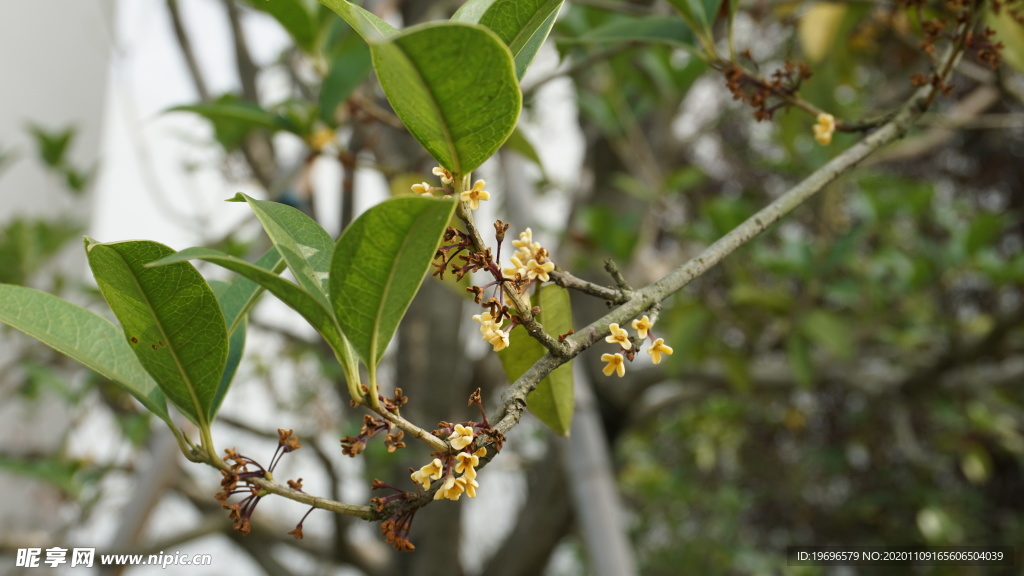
column 616, row 363
column 492, row 331
column 530, row 260
column 465, row 464
column 824, row 129
column 453, row 487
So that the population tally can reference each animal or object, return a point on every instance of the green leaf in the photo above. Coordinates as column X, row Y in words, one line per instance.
column 241, row 295
column 236, row 340
column 471, row 11
column 829, row 331
column 454, row 87
column 293, row 296
column 171, row 319
column 522, row 25
column 799, row 356
column 233, row 119
column 295, row 16
column 553, row 400
column 518, row 143
column 698, row 13
column 52, row 146
column 366, row 23
column 652, row 29
column 350, row 66
column 84, row 337
column 379, row 263
column 304, row 245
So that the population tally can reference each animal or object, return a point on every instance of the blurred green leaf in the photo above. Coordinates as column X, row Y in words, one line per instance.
column 829, row 331
column 297, row 17
column 52, row 145
column 349, row 67
column 552, row 402
column 455, row 89
column 27, row 245
column 84, row 337
column 698, row 13
column 365, row 23
column 799, row 355
column 233, row 119
column 651, row 29
column 379, row 263
column 171, row 319
column 983, row 232
column 518, row 143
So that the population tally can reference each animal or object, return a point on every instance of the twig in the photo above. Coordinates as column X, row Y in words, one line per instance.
column 566, row 280
column 514, row 401
column 532, row 326
column 186, row 51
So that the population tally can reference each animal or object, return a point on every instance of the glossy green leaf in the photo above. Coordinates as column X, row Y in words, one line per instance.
column 366, row 23
column 297, row 17
column 241, row 295
column 652, row 29
column 84, row 337
column 454, row 87
column 304, row 245
column 553, row 400
column 171, row 318
column 379, row 263
column 522, row 24
column 295, row 297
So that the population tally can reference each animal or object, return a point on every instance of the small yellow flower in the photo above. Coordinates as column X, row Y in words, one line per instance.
column 446, row 176
column 475, row 194
column 422, row 188
column 618, row 336
column 824, row 129
column 539, row 271
column 487, row 323
column 615, row 364
column 424, row 475
column 657, row 349
column 469, row 485
column 451, row 489
column 467, row 462
column 498, row 339
column 525, row 240
column 517, row 267
column 642, row 326
column 462, row 437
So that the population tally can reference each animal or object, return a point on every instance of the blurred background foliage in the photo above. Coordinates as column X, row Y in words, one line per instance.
column 852, row 377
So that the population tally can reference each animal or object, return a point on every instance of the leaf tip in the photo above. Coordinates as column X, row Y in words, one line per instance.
column 238, row 197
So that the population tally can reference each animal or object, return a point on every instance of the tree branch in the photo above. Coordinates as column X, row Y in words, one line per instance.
column 514, row 401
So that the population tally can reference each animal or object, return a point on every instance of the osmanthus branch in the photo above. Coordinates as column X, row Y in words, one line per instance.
column 631, row 302
column 523, row 308
column 514, row 402
column 413, row 430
